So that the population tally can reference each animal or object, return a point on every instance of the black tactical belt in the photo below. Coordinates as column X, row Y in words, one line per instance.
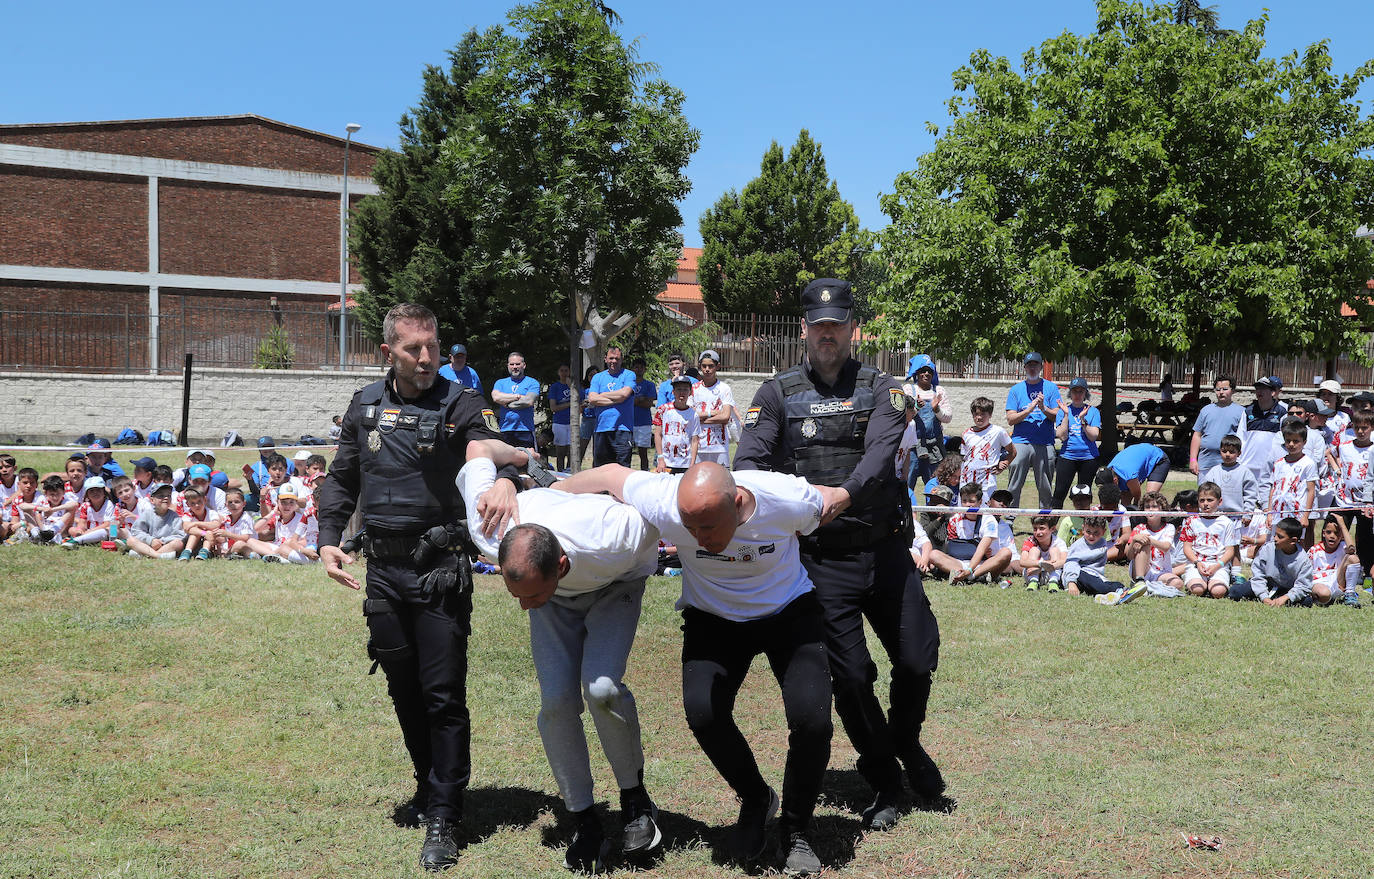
column 390, row 547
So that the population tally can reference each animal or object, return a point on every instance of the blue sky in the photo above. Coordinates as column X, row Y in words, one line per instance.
column 863, row 77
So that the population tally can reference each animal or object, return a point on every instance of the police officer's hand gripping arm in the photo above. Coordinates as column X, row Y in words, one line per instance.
column 338, row 499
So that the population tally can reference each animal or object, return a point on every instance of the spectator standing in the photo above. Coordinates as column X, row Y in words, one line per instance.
column 715, row 405
column 646, row 395
column 516, row 397
column 932, row 411
column 612, row 399
column 1259, row 430
column 458, row 371
column 677, row 365
column 1078, row 426
column 1031, row 408
column 335, row 428
column 560, row 407
column 1213, row 423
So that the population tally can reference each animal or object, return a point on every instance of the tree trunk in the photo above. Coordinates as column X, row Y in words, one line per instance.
column 1107, row 362
column 1197, row 379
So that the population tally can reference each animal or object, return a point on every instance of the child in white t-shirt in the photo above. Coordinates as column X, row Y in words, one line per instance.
column 1294, row 484
column 1209, row 543
column 1336, row 572
column 200, row 522
column 1151, row 546
column 1042, row 556
column 677, row 429
column 93, row 518
column 987, row 449
column 994, row 554
column 294, row 534
column 236, row 527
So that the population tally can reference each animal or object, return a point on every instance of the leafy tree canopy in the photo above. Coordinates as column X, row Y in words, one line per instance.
column 1148, row 188
column 789, row 226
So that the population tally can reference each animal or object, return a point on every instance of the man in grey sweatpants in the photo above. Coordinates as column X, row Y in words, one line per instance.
column 577, row 563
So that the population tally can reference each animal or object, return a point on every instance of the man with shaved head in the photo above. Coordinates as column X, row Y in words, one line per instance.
column 744, row 592
column 577, row 563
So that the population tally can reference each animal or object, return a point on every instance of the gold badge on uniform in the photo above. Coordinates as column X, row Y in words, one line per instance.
column 374, row 442
column 897, row 398
column 809, row 428
column 825, row 295
column 489, row 418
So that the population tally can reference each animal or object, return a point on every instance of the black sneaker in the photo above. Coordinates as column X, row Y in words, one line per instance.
column 751, row 830
column 440, row 850
column 801, row 860
column 883, row 814
column 923, row 775
column 411, row 813
column 641, row 827
column 586, row 853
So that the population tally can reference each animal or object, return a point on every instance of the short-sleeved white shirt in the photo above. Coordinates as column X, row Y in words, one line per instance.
column 759, row 572
column 1290, row 483
column 604, row 540
column 709, row 401
column 243, row 527
column 1324, row 564
column 982, row 450
column 678, row 428
column 1209, row 536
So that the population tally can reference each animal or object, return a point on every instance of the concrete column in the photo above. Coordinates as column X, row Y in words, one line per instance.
column 154, row 329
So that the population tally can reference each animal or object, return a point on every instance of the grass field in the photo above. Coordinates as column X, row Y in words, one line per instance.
column 171, row 720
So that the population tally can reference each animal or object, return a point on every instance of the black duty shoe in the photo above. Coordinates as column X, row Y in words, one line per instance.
column 751, row 830
column 641, row 827
column 587, row 851
column 440, row 850
column 801, row 860
column 411, row 813
column 923, row 775
column 883, row 814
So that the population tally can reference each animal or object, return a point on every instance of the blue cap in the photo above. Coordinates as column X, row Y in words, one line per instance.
column 1079, row 382
column 198, row 471
column 265, row 442
column 1033, row 357
column 144, row 463
column 458, row 349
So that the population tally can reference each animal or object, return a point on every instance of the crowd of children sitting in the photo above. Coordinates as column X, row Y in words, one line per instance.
column 193, row 513
column 1277, row 518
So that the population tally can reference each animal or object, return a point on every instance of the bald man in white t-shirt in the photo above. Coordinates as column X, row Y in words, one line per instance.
column 744, row 592
column 577, row 563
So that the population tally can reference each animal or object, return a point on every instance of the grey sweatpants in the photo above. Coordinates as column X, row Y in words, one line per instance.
column 1042, row 458
column 575, row 640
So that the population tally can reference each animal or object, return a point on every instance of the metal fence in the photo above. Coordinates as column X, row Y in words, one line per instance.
column 766, row 343
column 116, row 340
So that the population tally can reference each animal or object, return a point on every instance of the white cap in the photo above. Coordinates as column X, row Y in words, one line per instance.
column 301, row 455
column 1330, row 385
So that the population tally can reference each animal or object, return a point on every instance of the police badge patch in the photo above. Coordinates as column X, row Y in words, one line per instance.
column 489, row 419
column 809, row 427
column 897, row 398
column 751, row 416
column 374, row 442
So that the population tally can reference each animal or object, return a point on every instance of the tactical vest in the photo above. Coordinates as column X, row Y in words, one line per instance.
column 408, row 464
column 824, row 439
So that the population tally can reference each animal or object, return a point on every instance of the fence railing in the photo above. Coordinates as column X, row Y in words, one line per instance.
column 766, row 343
column 306, row 336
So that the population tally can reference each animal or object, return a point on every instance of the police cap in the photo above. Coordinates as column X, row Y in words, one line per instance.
column 827, row 300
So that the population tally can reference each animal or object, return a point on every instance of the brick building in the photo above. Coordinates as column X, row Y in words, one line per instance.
column 682, row 291
column 127, row 244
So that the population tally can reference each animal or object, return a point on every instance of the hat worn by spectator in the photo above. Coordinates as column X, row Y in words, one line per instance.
column 827, row 300
column 209, row 453
column 1363, row 397
column 77, row 456
column 681, row 380
column 198, row 471
column 301, row 455
column 144, row 463
column 1269, row 381
column 287, row 490
column 710, row 353
column 1330, row 385
column 1317, row 407
column 1081, row 490
column 266, row 442
column 1033, row 357
column 1079, row 382
column 90, row 483
column 457, row 349
column 100, row 444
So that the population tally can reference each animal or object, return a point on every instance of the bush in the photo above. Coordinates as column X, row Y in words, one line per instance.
column 275, row 351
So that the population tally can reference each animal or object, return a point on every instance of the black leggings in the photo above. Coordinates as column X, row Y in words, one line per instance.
column 716, row 654
column 1068, row 473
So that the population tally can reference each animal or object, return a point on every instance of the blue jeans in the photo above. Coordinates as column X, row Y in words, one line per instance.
column 611, row 447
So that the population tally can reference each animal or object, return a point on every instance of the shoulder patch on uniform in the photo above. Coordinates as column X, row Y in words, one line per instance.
column 751, row 416
column 489, row 419
column 897, row 398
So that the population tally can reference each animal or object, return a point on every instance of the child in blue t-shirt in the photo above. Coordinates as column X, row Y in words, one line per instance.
column 1138, row 469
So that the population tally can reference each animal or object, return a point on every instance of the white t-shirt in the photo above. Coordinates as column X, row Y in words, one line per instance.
column 7, row 491
column 1161, row 560
column 1354, row 463
column 963, row 527
column 96, row 518
column 301, row 525
column 243, row 527
column 920, row 540
column 1324, row 564
column 1055, row 543
column 1290, row 484
column 759, row 572
column 982, row 451
column 604, row 540
column 709, row 401
column 1209, row 537
column 678, row 426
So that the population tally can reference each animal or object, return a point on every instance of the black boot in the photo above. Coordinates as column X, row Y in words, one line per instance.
column 440, row 850
column 411, row 813
column 587, row 851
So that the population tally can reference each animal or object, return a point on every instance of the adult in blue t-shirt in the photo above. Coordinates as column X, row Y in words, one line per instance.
column 1140, row 468
column 612, row 400
column 1078, row 425
column 677, row 365
column 645, row 399
column 1031, row 407
column 1213, row 423
column 458, row 371
column 560, row 402
column 516, row 397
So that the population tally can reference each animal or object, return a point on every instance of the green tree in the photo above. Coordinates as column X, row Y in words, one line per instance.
column 1143, row 189
column 787, row 227
column 568, row 166
column 410, row 246
column 1205, row 17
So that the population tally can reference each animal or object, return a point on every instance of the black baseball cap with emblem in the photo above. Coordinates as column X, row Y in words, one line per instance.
column 827, row 300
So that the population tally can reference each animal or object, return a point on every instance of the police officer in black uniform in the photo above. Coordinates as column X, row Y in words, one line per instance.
column 404, row 439
column 837, row 422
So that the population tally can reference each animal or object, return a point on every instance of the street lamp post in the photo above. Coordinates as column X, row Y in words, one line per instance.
column 343, row 251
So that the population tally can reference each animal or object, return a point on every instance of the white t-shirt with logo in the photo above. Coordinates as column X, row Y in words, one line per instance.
column 243, row 527
column 678, row 428
column 759, row 572
column 982, row 451
column 301, row 525
column 708, row 401
column 604, row 540
column 1209, row 537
